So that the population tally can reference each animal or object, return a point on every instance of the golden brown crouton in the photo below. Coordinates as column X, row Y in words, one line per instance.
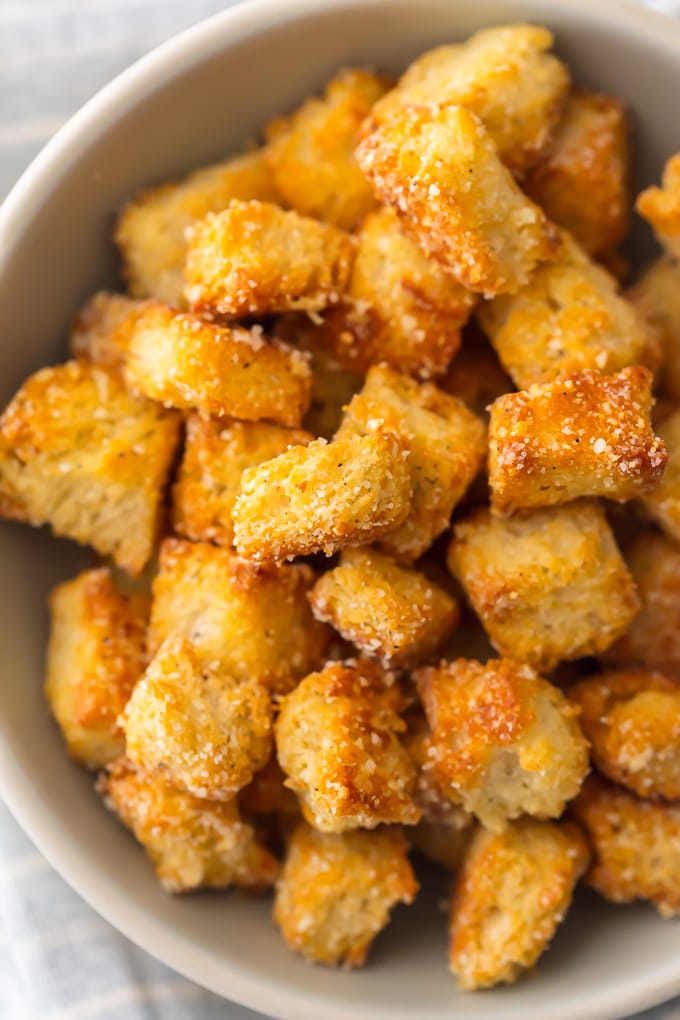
column 207, row 732
column 568, row 317
column 311, row 152
column 322, row 497
column 254, row 621
column 336, row 892
column 192, row 842
column 216, row 453
column 656, row 296
column 443, row 843
column 584, row 182
column 102, row 328
column 253, row 258
column 79, row 453
column 585, row 434
column 663, row 502
column 661, row 207
column 267, row 794
column 632, row 720
column 504, row 741
column 386, row 610
column 439, row 168
column 635, row 844
column 95, row 656
column 512, row 893
column 183, row 361
column 151, row 231
column 337, row 740
column 475, row 375
column 505, row 75
column 446, row 444
column 548, row 585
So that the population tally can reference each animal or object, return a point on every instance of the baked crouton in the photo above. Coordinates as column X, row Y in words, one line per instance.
column 102, row 328
column 336, row 891
column 439, row 168
column 151, row 232
column 475, row 375
column 661, row 207
column 95, row 656
column 183, row 361
column 442, row 843
column 205, row 731
column 311, row 152
column 386, row 610
column 548, row 586
column 663, row 502
column 267, row 794
column 322, row 497
column 253, row 258
column 192, row 842
column 504, row 741
column 78, row 452
column 512, row 893
column 253, row 621
column 585, row 434
column 337, row 740
column 635, row 844
column 216, row 453
column 656, row 296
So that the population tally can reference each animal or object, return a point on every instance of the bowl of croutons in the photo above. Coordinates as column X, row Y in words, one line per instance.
column 341, row 663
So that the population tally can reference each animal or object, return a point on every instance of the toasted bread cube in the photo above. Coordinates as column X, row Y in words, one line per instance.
column 446, row 444
column 254, row 621
column 102, row 328
column 443, row 842
column 585, row 434
column 183, row 361
column 216, row 453
column 475, row 375
column 311, row 152
column 253, row 258
column 78, row 452
column 635, row 845
column 151, row 232
column 583, row 184
column 267, row 794
column 439, row 168
column 663, row 502
column 512, row 893
column 207, row 732
column 549, row 585
column 632, row 720
column 504, row 741
column 337, row 740
column 95, row 656
column 568, row 317
column 386, row 610
column 503, row 74
column 192, row 842
column 337, row 890
column 661, row 207
column 656, row 296
column 322, row 497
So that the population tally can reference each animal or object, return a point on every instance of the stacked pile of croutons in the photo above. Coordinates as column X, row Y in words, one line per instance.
column 271, row 370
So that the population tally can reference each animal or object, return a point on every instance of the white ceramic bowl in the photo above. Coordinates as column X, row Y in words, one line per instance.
column 190, row 102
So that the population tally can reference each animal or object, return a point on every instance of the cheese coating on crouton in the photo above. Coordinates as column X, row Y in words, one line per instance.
column 207, row 732
column 216, row 453
column 475, row 375
column 585, row 434
column 386, row 610
column 549, row 585
column 253, row 620
column 183, row 361
column 568, row 317
column 192, row 842
column 78, row 452
column 663, row 502
column 512, row 893
column 253, row 258
column 635, row 844
column 337, row 740
column 336, row 892
column 656, row 296
column 439, row 168
column 95, row 656
column 102, row 328
column 583, row 184
column 446, row 444
column 151, row 232
column 505, row 76
column 311, row 152
column 322, row 497
column 661, row 207
column 504, row 741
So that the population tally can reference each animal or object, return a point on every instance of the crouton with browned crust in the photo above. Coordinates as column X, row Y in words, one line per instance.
column 661, row 207
column 101, row 330
column 656, row 296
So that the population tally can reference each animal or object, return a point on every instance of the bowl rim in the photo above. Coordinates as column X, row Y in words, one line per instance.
column 178, row 54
